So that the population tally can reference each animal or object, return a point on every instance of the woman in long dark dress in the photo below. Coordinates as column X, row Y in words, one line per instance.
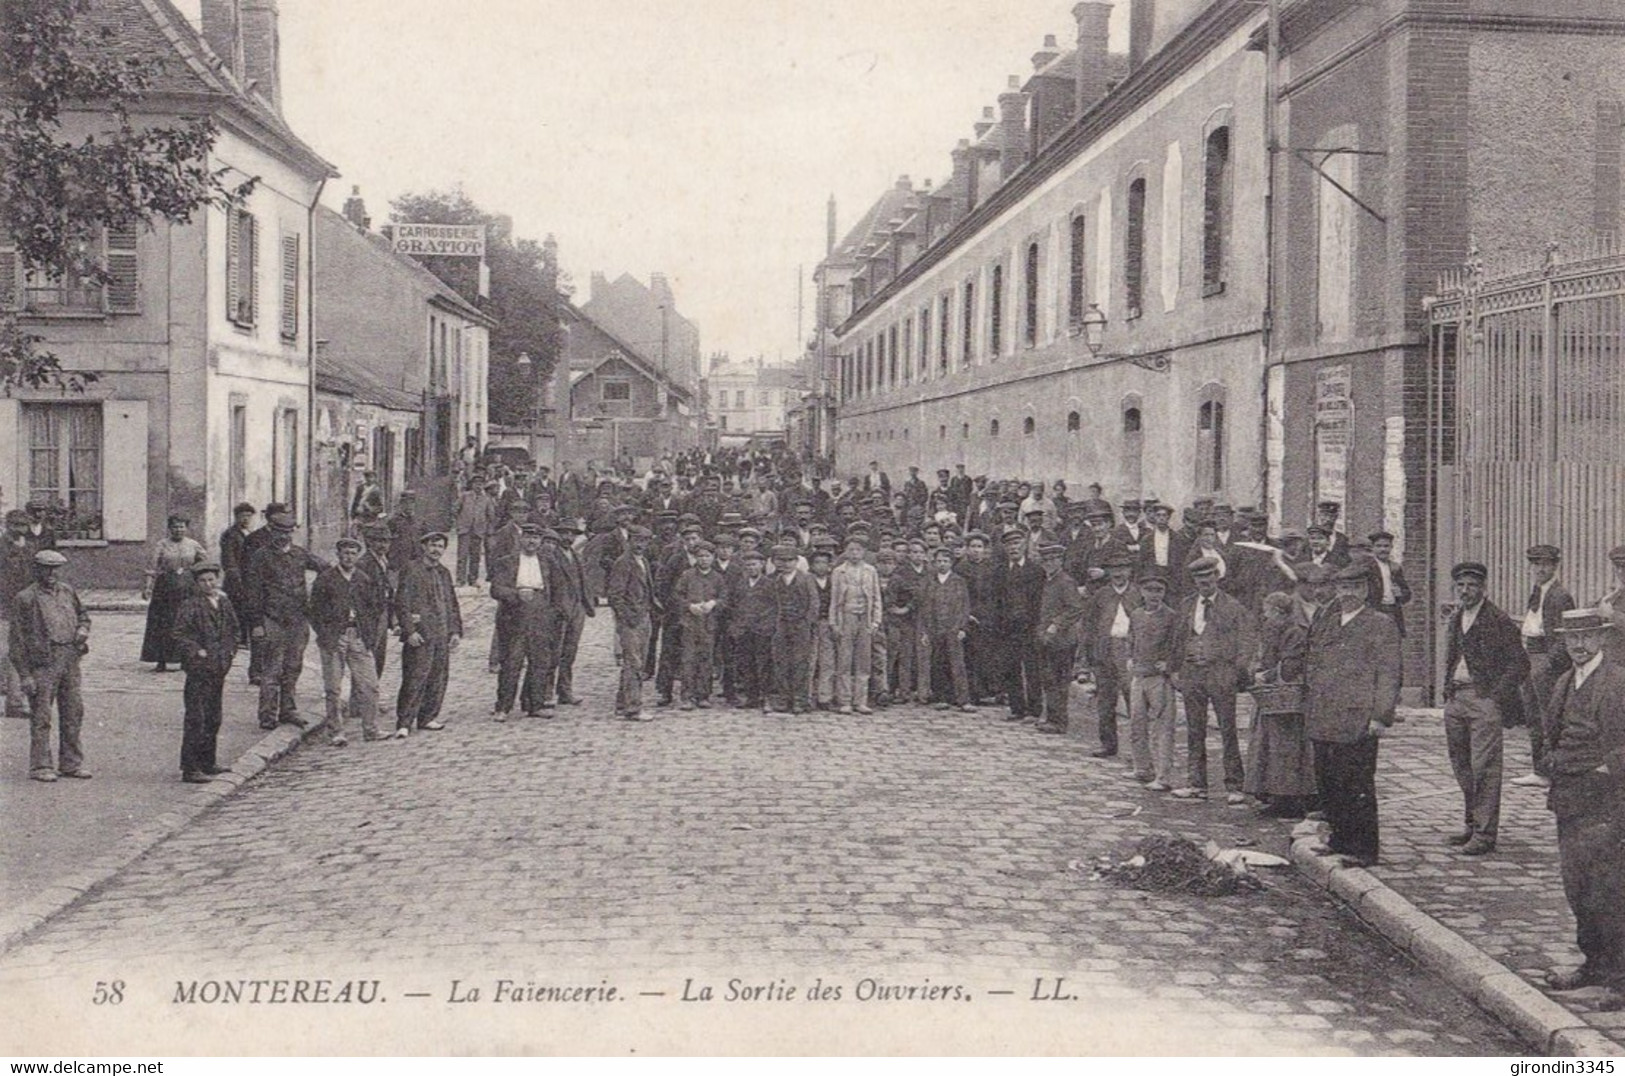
column 168, row 584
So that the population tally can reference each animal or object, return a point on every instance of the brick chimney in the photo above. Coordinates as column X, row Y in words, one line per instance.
column 985, row 124
column 960, row 185
column 1142, row 24
column 1013, row 124
column 220, row 22
column 262, row 50
column 1046, row 55
column 355, row 210
column 1094, row 73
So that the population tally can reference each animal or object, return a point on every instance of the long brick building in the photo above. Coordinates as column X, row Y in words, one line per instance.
column 1129, row 287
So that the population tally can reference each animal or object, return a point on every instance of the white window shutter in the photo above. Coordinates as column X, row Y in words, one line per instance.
column 124, row 470
column 253, row 254
column 13, row 456
column 233, row 254
column 290, row 287
column 123, row 292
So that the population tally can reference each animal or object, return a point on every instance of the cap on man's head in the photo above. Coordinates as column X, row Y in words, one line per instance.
column 785, row 551
column 1331, row 508
column 1013, row 534
column 705, row 547
column 1312, row 573
column 375, row 530
column 1544, row 554
column 1051, row 549
column 1316, row 530
column 640, row 532
column 1121, row 558
column 17, row 515
column 1203, row 566
column 1154, row 574
column 1379, row 536
column 527, row 528
column 244, row 507
column 1355, row 571
column 442, row 537
column 283, row 521
column 49, row 558
column 1469, row 569
column 348, row 543
column 1093, row 509
column 1131, row 505
column 204, row 567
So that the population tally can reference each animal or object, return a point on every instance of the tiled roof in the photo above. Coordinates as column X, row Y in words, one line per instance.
column 360, row 385
column 887, row 206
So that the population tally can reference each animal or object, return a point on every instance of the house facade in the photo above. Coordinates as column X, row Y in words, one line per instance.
column 202, row 345
column 620, row 405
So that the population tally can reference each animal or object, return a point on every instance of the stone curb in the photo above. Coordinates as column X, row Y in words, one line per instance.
column 17, row 923
column 1531, row 1015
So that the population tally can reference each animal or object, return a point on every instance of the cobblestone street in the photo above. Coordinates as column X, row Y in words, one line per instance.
column 907, row 846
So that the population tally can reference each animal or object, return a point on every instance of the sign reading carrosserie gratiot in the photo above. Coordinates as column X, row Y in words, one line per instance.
column 444, row 240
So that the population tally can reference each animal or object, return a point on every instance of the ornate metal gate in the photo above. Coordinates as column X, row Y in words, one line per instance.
column 1528, row 410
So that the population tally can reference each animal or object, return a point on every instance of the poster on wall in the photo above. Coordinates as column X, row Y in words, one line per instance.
column 1334, row 421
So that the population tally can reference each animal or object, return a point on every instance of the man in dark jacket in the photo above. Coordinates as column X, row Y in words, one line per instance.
column 1585, row 740
column 944, row 617
column 1485, row 668
column 576, row 603
column 278, row 612
column 1548, row 658
column 752, row 615
column 49, row 633
column 344, row 611
column 1055, row 636
column 1214, row 646
column 381, row 579
column 206, row 639
column 982, row 580
column 527, row 588
column 234, row 557
column 1352, row 678
column 431, row 626
column 797, row 608
column 630, row 591
column 1018, row 626
column 1105, row 638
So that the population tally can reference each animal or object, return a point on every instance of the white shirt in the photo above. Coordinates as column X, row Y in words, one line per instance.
column 1387, row 573
column 1159, row 547
column 529, row 575
column 1534, row 626
column 1199, row 618
column 1120, row 621
column 1582, row 673
column 1348, row 616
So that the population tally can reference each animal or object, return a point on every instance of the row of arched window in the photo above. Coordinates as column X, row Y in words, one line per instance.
column 917, row 347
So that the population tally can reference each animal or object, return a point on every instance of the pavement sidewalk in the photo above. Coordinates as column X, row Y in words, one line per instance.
column 1491, row 925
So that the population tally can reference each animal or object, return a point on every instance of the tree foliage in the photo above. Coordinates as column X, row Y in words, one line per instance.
column 525, row 298
column 60, row 188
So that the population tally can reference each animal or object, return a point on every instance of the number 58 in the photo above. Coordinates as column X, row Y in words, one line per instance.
column 108, row 993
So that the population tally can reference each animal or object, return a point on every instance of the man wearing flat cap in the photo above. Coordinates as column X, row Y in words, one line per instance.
column 1214, row 644
column 346, row 612
column 431, row 625
column 1585, row 756
column 234, row 556
column 277, row 611
column 1060, row 608
column 206, row 640
column 526, row 587
column 796, row 618
column 1548, row 658
column 1337, row 543
column 1612, row 608
column 630, row 590
column 1485, row 667
column 1105, row 640
column 49, row 633
column 1352, row 678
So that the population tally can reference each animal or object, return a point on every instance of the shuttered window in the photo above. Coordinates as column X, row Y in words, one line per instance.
column 242, row 260
column 290, row 287
column 123, row 292
column 1134, row 249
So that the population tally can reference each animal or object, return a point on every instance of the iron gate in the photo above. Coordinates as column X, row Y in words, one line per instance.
column 1528, row 410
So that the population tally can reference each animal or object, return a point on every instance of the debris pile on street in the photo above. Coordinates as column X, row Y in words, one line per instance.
column 1168, row 864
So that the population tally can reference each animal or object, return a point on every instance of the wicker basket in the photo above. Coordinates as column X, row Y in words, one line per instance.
column 1277, row 698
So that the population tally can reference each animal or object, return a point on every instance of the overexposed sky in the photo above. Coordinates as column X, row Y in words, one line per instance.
column 701, row 139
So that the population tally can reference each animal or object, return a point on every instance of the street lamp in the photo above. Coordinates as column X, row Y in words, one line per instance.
column 524, row 364
column 1094, row 329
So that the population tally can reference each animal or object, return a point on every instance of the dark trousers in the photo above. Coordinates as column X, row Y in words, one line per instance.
column 727, row 669
column 671, row 658
column 792, row 657
column 381, row 650
column 561, row 679
column 1211, row 685
column 902, row 654
column 634, row 639
column 1056, row 679
column 699, row 657
column 1591, row 855
column 423, row 682
column 284, row 650
column 939, row 649
column 1111, row 688
column 1347, row 776
column 753, row 665
column 529, row 650
column 469, row 549
column 1023, row 674
column 203, row 696
column 981, row 645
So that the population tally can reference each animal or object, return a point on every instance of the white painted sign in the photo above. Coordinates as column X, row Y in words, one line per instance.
column 440, row 240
